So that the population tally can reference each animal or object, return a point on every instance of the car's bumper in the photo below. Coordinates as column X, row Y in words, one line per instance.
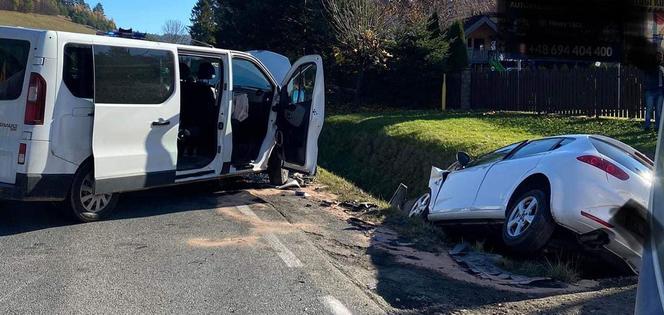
column 620, row 242
column 37, row 187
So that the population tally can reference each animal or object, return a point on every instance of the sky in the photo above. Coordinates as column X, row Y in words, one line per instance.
column 146, row 15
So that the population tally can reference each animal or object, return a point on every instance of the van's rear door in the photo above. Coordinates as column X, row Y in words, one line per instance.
column 301, row 113
column 15, row 58
column 136, row 118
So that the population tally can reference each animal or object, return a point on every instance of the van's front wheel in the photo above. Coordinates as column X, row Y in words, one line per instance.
column 87, row 206
column 277, row 174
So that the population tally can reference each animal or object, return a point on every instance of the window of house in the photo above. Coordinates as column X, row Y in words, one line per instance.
column 133, row 75
column 78, row 72
column 13, row 61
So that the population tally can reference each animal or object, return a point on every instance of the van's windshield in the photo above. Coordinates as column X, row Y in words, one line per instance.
column 13, row 60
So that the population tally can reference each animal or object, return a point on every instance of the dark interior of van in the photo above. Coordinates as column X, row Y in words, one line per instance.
column 201, row 80
column 252, row 104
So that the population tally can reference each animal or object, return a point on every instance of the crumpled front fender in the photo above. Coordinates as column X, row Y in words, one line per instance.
column 436, row 180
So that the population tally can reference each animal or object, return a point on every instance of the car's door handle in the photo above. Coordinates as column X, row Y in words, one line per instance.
column 161, row 122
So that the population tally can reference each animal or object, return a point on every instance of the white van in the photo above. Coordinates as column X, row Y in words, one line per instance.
column 85, row 117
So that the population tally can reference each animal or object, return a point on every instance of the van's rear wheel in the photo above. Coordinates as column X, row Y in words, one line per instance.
column 87, row 206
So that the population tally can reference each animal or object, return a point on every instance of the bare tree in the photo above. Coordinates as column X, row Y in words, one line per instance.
column 362, row 29
column 174, row 31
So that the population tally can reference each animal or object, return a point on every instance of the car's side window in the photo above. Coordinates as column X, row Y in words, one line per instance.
column 536, row 147
column 247, row 76
column 128, row 75
column 301, row 86
column 494, row 156
column 78, row 72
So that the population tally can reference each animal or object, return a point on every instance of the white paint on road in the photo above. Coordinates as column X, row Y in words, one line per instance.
column 335, row 306
column 284, row 253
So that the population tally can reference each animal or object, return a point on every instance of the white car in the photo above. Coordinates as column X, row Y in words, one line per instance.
column 575, row 181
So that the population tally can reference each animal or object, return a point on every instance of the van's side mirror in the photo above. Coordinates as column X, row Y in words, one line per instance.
column 463, row 158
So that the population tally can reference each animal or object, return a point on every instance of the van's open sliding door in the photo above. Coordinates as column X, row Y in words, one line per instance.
column 137, row 104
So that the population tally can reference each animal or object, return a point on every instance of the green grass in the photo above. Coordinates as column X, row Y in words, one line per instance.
column 40, row 21
column 378, row 150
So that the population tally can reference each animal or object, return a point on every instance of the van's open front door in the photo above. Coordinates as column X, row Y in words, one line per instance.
column 301, row 112
column 137, row 105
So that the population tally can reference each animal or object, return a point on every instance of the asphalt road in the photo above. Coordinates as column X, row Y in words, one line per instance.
column 176, row 250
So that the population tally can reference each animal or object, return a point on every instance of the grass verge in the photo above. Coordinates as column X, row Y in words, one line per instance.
column 41, row 21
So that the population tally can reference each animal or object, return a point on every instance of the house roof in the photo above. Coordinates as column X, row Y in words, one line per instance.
column 474, row 22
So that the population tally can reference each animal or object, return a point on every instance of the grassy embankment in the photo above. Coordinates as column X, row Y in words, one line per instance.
column 40, row 21
column 364, row 156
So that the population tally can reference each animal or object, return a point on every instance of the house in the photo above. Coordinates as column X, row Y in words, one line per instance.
column 482, row 36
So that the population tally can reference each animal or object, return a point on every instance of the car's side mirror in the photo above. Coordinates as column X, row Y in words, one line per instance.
column 463, row 158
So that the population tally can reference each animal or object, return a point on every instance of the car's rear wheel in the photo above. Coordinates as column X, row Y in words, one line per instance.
column 529, row 225
column 421, row 207
column 85, row 204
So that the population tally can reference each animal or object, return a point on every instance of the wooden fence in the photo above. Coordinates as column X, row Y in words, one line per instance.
column 592, row 91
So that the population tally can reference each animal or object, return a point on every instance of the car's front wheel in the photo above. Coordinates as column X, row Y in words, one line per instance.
column 529, row 225
column 85, row 204
column 421, row 207
column 276, row 173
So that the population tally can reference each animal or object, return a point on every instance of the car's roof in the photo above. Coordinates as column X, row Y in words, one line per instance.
column 120, row 40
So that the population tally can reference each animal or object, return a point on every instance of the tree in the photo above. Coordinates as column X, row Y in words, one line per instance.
column 363, row 30
column 174, row 32
column 203, row 22
column 99, row 9
column 27, row 6
column 458, row 58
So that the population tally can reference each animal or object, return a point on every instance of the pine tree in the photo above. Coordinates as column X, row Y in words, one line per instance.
column 203, row 22
column 99, row 9
column 458, row 57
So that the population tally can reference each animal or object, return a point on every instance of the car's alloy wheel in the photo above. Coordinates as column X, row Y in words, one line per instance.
column 421, row 206
column 529, row 224
column 522, row 216
column 85, row 204
column 90, row 201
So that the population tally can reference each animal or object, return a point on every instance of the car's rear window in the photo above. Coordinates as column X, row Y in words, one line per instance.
column 627, row 159
column 13, row 60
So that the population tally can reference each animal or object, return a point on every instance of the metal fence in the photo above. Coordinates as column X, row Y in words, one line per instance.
column 593, row 91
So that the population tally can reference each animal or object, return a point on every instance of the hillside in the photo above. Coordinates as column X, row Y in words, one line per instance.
column 50, row 22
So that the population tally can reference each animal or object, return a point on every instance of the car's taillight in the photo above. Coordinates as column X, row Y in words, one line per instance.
column 22, row 148
column 36, row 102
column 604, row 165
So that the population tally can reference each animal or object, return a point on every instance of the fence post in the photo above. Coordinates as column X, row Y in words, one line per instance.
column 443, row 98
column 465, row 89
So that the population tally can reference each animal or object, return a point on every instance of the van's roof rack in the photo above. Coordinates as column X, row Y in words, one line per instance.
column 123, row 33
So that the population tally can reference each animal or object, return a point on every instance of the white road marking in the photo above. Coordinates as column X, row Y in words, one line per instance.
column 284, row 253
column 335, row 306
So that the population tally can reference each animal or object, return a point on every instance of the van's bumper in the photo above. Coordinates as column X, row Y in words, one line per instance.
column 46, row 187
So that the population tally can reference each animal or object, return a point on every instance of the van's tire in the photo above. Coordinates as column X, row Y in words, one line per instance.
column 276, row 173
column 84, row 206
column 531, row 210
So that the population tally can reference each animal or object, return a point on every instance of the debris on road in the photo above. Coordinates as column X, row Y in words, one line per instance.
column 484, row 266
column 356, row 206
column 399, row 197
column 289, row 184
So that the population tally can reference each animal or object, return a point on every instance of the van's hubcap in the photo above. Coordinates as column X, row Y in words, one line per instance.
column 92, row 202
column 522, row 216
